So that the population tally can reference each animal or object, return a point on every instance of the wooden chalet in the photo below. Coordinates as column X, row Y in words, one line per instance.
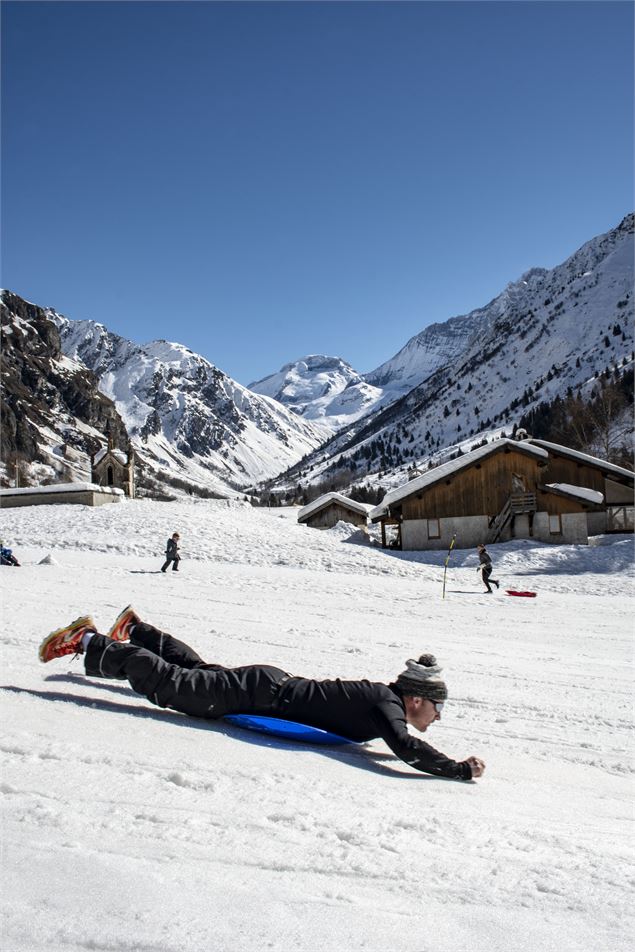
column 615, row 483
column 327, row 510
column 505, row 490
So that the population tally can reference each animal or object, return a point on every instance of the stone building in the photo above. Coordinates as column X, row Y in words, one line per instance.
column 114, row 468
column 61, row 494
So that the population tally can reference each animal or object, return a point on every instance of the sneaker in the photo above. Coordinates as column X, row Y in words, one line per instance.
column 66, row 640
column 120, row 631
column 496, row 583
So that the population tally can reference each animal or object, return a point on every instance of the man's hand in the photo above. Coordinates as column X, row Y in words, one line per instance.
column 477, row 766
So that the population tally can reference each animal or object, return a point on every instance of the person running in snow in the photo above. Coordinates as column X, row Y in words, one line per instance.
column 485, row 567
column 172, row 553
column 171, row 674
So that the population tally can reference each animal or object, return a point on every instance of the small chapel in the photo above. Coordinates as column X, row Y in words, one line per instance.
column 114, row 468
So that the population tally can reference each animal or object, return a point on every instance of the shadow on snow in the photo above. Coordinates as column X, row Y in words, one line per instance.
column 365, row 759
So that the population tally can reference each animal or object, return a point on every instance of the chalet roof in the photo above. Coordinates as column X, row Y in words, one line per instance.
column 121, row 457
column 583, row 458
column 321, row 502
column 450, row 469
column 62, row 488
column 579, row 493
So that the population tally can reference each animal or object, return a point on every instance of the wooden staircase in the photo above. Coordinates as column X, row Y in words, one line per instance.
column 515, row 504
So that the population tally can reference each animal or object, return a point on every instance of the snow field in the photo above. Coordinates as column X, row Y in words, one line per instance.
column 128, row 827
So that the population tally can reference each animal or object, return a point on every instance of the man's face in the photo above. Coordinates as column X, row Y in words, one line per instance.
column 420, row 712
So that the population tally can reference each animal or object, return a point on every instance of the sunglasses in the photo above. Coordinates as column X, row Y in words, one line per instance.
column 438, row 705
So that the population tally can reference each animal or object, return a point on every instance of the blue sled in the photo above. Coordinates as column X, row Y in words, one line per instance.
column 289, row 729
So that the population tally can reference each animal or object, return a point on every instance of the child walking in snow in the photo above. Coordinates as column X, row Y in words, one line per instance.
column 172, row 553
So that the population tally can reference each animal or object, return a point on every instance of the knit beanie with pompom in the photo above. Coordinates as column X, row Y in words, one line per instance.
column 422, row 678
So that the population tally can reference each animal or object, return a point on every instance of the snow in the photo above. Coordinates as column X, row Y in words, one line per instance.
column 362, row 508
column 122, row 457
column 450, row 469
column 127, row 827
column 579, row 492
column 62, row 488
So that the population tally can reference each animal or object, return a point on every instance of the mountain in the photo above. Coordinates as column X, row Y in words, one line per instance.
column 53, row 414
column 546, row 334
column 328, row 390
column 187, row 419
column 324, row 389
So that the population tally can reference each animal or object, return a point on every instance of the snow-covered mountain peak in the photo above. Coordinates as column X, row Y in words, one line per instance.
column 307, row 375
column 320, row 388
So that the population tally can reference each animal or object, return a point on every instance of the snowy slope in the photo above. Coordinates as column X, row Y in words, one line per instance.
column 186, row 416
column 438, row 345
column 130, row 828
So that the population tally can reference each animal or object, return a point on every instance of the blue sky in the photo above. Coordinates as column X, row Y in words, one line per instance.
column 261, row 181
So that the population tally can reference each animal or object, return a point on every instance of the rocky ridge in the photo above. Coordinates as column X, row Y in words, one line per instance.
column 53, row 413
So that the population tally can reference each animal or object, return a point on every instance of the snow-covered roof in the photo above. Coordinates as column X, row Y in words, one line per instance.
column 583, row 458
column 577, row 492
column 62, row 488
column 322, row 501
column 122, row 457
column 449, row 469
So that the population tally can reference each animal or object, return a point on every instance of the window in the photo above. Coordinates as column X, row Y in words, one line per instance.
column 555, row 525
column 434, row 530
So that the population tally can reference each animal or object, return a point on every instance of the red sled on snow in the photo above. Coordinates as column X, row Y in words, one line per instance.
column 510, row 591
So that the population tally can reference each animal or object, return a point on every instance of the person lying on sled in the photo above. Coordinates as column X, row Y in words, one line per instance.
column 170, row 674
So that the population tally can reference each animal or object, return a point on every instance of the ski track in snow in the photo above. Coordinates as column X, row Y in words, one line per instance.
column 128, row 828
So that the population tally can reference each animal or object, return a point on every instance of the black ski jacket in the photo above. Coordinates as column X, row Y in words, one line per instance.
column 364, row 710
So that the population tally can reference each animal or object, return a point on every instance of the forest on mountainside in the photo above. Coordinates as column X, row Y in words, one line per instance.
column 600, row 424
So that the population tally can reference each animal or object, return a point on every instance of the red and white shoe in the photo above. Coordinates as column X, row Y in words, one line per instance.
column 66, row 640
column 120, row 631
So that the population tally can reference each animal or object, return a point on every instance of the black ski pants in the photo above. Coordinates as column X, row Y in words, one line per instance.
column 171, row 674
column 486, row 573
column 171, row 558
